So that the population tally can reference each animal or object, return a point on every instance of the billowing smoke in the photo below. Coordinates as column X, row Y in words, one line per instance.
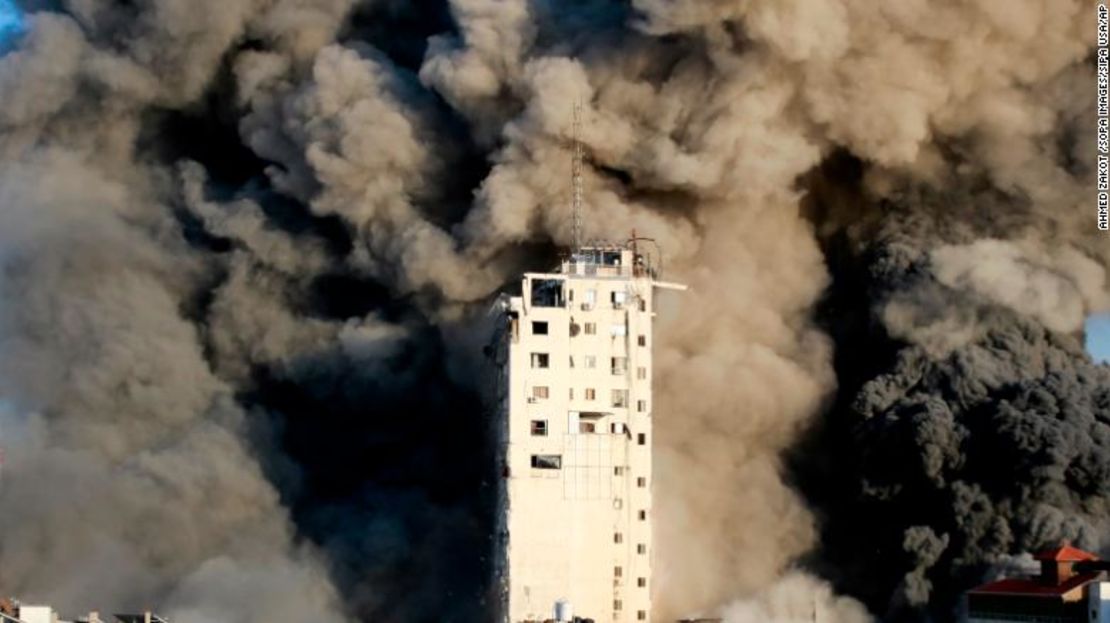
column 248, row 246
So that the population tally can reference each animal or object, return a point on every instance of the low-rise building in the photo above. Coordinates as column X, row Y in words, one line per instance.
column 1070, row 588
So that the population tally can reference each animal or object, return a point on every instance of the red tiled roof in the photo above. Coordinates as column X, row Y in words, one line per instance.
column 1025, row 586
column 1065, row 553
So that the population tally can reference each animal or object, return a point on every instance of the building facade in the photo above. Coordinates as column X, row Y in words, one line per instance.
column 575, row 437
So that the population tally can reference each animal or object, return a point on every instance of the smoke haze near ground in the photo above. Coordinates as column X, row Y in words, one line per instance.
column 247, row 248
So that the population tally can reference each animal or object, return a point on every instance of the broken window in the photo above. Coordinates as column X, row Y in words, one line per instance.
column 539, row 327
column 620, row 398
column 547, row 292
column 539, row 428
column 547, row 461
column 539, row 392
column 541, row 360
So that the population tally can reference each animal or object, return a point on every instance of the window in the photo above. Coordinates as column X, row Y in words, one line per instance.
column 617, row 428
column 547, row 292
column 643, row 305
column 642, row 340
column 619, row 365
column 618, row 330
column 571, row 361
column 547, row 461
column 641, row 405
column 616, row 604
column 618, row 470
column 641, row 548
column 641, row 615
column 590, row 300
column 571, row 394
column 618, row 538
column 641, row 439
column 641, row 582
column 541, row 360
column 591, row 361
column 539, row 328
column 590, row 328
column 618, row 572
column 641, row 482
column 641, row 373
column 618, row 299
column 539, row 392
column 587, row 427
column 642, row 515
column 590, row 393
column 620, row 398
column 539, row 428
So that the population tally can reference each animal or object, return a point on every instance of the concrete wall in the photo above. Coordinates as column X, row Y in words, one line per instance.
column 563, row 524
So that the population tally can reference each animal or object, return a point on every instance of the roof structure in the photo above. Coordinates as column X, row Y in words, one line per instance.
column 1065, row 553
column 1033, row 588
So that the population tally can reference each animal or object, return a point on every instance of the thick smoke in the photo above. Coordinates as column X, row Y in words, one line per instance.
column 248, row 247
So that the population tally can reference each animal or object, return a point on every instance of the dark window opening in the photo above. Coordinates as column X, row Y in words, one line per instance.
column 539, row 428
column 547, row 292
column 539, row 328
column 547, row 461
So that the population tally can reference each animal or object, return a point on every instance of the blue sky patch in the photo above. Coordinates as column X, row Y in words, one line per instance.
column 1098, row 337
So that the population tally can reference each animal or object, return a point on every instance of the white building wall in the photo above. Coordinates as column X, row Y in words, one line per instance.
column 580, row 533
column 37, row 614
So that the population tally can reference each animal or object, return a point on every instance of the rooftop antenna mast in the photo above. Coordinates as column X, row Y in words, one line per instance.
column 576, row 173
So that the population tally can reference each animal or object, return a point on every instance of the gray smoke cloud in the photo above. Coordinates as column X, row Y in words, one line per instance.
column 183, row 320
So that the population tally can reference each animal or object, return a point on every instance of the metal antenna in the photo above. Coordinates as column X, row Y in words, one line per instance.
column 576, row 173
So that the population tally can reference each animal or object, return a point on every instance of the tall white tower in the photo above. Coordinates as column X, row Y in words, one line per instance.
column 575, row 436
